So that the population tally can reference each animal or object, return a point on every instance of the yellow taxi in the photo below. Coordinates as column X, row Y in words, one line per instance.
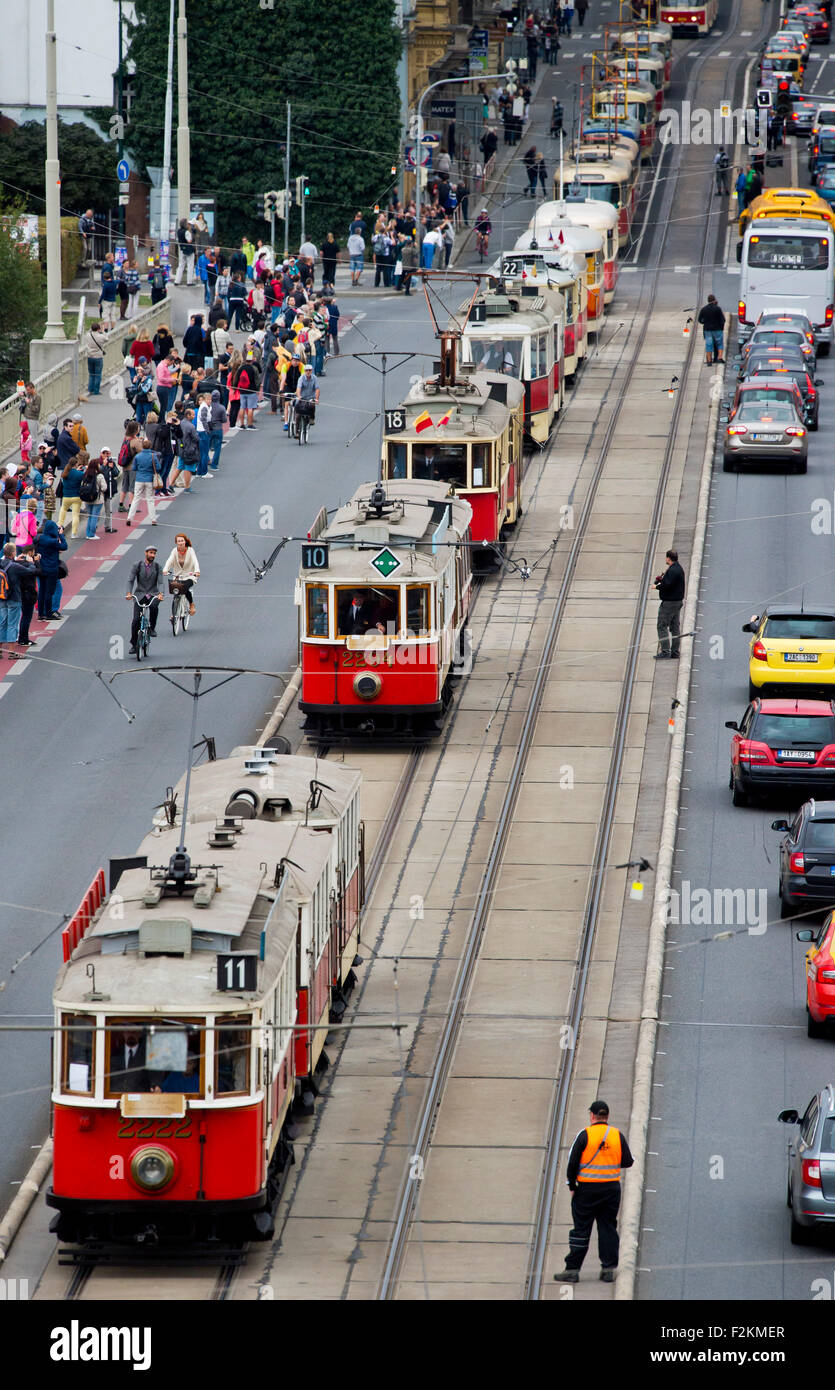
column 791, row 647
column 787, row 202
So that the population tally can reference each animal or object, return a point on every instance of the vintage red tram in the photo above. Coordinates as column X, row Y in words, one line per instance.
column 384, row 593
column 475, row 440
column 175, row 1056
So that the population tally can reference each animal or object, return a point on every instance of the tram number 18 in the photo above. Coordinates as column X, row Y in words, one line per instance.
column 395, row 421
column 238, row 971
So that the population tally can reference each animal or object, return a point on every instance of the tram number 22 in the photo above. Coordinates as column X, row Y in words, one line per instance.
column 510, row 267
column 395, row 421
column 161, row 1129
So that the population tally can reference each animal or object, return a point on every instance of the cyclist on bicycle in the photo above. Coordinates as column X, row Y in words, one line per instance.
column 307, row 391
column 483, row 228
column 144, row 585
column 182, row 566
column 290, row 377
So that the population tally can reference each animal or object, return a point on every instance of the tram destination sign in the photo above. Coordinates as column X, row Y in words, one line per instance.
column 385, row 562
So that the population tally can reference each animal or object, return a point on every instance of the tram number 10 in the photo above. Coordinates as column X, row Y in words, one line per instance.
column 238, row 971
column 315, row 557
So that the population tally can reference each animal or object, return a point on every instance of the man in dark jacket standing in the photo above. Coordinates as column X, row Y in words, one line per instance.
column 593, row 1174
column 670, row 586
column 712, row 320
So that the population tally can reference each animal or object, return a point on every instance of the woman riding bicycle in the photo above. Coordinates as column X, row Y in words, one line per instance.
column 182, row 566
column 483, row 228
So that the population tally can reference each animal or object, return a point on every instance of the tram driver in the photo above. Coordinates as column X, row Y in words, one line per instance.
column 500, row 356
column 127, row 1062
column 447, row 464
column 359, row 614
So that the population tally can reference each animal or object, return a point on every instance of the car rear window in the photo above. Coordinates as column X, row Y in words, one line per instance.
column 828, row 1137
column 814, row 625
column 768, row 395
column 790, row 730
column 774, row 413
column 820, row 834
column 775, row 337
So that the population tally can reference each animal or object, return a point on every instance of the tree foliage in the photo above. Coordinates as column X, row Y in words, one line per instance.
column 22, row 306
column 336, row 66
column 88, row 167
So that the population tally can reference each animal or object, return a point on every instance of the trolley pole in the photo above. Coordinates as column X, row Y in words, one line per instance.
column 287, row 190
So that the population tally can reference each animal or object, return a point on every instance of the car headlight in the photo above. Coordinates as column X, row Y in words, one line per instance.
column 152, row 1169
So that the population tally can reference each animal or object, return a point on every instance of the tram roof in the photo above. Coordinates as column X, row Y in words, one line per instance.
column 475, row 413
column 213, row 786
column 166, row 980
column 418, row 517
column 514, row 313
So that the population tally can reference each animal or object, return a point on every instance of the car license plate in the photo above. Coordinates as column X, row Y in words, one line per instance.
column 797, row 755
column 765, row 438
column 808, row 657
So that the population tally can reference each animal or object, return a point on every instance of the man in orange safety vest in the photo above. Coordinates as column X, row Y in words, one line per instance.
column 594, row 1166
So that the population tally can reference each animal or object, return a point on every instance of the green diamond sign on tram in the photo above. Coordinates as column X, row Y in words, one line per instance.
column 385, row 562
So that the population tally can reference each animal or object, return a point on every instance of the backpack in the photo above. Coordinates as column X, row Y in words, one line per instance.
column 5, row 589
column 124, row 459
column 88, row 488
column 723, row 160
column 158, row 280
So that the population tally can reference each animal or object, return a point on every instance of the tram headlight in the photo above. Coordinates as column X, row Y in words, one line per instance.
column 152, row 1169
column 367, row 686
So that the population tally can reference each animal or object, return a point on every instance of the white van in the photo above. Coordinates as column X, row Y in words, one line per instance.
column 788, row 263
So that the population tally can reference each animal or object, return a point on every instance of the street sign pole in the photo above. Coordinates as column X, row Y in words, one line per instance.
column 272, row 233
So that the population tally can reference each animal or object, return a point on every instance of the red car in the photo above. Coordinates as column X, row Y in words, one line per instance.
column 814, row 20
column 820, row 976
column 784, row 746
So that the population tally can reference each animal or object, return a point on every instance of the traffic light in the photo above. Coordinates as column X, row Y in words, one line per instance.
column 764, row 98
column 270, row 204
column 784, row 101
column 299, row 189
column 306, row 185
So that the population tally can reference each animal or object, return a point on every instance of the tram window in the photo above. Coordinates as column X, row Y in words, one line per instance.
column 367, row 609
column 591, row 268
column 446, row 463
column 498, row 355
column 77, row 1054
column 397, row 456
column 145, row 1056
column 482, row 470
column 232, row 1055
column 317, row 610
column 542, row 339
column 417, row 609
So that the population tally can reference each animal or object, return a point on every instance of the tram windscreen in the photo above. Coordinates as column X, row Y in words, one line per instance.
column 443, row 463
column 145, row 1055
column 497, row 355
column 786, row 252
column 600, row 192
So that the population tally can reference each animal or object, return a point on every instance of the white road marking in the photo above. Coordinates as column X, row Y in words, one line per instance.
column 121, row 550
column 628, row 270
column 745, row 33
column 91, row 584
column 19, row 665
column 74, row 602
column 107, row 565
column 683, row 269
column 726, row 53
column 4, row 688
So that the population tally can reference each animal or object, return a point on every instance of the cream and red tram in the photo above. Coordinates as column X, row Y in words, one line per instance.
column 588, row 243
column 633, row 102
column 517, row 331
column 690, row 19
column 384, row 594
column 646, row 68
column 598, row 217
column 537, row 265
column 474, row 432
column 174, row 1055
column 647, row 38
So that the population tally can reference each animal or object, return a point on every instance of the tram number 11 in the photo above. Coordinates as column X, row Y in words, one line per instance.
column 237, row 972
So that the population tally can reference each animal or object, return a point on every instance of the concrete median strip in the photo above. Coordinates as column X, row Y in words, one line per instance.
column 645, row 1052
column 26, row 1194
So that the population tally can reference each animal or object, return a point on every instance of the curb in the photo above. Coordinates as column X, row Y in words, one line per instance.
column 280, row 712
column 648, row 1030
column 28, row 1191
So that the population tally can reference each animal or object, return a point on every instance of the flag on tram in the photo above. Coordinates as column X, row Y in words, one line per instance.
column 444, row 421
column 423, row 421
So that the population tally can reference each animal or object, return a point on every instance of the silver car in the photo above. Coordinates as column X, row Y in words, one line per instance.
column 810, row 1192
column 762, row 432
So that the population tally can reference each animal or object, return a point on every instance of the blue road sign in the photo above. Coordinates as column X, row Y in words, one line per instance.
column 123, row 171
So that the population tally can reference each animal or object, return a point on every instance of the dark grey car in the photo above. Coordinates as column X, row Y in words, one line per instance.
column 810, row 1192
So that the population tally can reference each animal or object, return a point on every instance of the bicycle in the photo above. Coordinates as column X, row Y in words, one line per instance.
column 300, row 427
column 180, row 615
column 482, row 241
column 144, row 635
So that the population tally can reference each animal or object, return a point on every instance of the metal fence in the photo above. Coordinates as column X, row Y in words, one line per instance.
column 59, row 387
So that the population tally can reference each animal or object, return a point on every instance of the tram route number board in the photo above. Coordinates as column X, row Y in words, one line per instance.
column 237, row 971
column 395, row 421
column 315, row 557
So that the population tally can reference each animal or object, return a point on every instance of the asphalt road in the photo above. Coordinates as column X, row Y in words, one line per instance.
column 733, row 1049
column 80, row 781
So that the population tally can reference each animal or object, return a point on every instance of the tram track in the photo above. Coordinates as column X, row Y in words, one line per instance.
column 408, row 1198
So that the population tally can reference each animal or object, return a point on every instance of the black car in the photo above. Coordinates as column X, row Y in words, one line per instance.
column 801, row 118
column 807, row 858
column 785, row 746
column 777, row 366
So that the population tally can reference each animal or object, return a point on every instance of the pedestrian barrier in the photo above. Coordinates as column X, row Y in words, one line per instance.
column 78, row 925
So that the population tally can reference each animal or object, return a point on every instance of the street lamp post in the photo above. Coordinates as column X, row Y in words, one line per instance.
column 54, row 331
column 444, row 82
